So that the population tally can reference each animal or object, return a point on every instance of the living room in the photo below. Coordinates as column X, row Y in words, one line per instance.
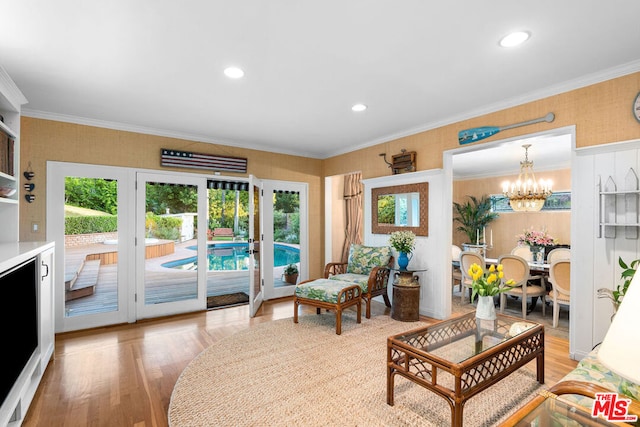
column 606, row 140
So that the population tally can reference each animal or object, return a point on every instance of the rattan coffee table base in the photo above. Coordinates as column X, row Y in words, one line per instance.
column 421, row 356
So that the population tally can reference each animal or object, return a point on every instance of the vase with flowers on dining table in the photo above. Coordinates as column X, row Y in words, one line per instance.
column 537, row 241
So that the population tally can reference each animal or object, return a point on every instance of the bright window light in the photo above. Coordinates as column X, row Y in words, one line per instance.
column 514, row 39
column 359, row 107
column 233, row 72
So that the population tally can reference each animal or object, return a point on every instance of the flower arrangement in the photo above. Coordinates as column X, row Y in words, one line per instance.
column 488, row 284
column 403, row 241
column 536, row 238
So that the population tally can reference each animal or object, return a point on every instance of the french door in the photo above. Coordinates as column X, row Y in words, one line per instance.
column 91, row 274
column 256, row 281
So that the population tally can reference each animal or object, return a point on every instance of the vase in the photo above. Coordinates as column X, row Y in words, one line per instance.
column 403, row 260
column 485, row 309
column 537, row 254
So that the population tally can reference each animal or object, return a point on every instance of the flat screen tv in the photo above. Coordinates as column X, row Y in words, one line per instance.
column 18, row 287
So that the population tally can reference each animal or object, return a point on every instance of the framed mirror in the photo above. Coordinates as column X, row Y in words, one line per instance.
column 400, row 207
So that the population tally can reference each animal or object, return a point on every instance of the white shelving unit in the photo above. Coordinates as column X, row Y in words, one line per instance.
column 13, row 253
column 619, row 208
column 11, row 101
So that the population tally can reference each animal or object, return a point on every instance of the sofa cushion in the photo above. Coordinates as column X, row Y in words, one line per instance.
column 322, row 289
column 355, row 279
column 362, row 258
column 591, row 370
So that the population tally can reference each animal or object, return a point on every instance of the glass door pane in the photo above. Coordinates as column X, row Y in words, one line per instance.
column 91, row 246
column 167, row 244
column 227, row 244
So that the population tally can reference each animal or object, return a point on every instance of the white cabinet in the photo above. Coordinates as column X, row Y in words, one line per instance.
column 46, row 323
column 26, row 275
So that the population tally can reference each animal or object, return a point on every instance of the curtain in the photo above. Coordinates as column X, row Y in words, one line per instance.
column 353, row 209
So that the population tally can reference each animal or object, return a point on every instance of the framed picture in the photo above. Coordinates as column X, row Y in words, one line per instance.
column 557, row 201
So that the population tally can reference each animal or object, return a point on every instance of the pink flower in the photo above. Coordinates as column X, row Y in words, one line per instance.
column 536, row 238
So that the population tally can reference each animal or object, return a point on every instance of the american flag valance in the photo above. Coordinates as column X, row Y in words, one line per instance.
column 185, row 159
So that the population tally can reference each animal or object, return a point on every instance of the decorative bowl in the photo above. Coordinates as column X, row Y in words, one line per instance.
column 7, row 191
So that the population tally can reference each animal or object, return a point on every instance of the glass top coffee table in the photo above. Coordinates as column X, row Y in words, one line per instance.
column 459, row 357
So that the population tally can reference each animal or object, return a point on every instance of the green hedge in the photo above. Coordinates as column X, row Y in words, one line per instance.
column 90, row 224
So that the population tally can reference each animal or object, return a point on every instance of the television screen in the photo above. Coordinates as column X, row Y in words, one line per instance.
column 18, row 287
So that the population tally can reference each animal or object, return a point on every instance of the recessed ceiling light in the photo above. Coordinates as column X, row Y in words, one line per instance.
column 514, row 39
column 233, row 72
column 359, row 107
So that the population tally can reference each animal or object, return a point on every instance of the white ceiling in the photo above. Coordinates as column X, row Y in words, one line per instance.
column 156, row 66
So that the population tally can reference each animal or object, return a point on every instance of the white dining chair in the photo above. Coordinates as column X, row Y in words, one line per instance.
column 516, row 268
column 560, row 278
column 558, row 253
column 456, row 274
column 467, row 259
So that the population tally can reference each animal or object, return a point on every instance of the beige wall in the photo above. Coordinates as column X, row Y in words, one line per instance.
column 510, row 224
column 44, row 140
column 601, row 114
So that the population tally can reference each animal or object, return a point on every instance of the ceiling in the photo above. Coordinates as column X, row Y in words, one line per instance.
column 156, row 66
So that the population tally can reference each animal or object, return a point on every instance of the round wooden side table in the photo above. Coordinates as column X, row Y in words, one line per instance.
column 405, row 306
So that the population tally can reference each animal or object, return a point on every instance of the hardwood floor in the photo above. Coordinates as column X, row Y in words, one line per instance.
column 124, row 375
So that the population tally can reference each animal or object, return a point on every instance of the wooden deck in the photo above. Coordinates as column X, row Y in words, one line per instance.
column 162, row 284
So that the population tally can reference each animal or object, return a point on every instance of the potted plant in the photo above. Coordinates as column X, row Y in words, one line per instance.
column 290, row 274
column 473, row 215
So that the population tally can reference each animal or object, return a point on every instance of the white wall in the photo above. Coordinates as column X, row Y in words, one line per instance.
column 595, row 259
column 435, row 282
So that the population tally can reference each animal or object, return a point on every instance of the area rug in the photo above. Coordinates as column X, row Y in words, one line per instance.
column 284, row 374
column 218, row 301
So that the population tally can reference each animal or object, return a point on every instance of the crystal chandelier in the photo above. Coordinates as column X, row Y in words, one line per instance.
column 527, row 195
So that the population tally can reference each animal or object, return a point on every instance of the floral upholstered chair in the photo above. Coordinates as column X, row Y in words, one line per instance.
column 344, row 285
column 367, row 266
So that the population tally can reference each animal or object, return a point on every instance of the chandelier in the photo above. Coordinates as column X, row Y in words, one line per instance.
column 527, row 194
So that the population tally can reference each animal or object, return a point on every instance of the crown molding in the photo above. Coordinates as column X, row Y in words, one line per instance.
column 583, row 81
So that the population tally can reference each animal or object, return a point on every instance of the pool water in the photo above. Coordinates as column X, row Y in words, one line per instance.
column 234, row 256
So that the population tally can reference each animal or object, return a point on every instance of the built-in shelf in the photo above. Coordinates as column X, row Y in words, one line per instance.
column 610, row 198
column 6, row 129
column 8, row 200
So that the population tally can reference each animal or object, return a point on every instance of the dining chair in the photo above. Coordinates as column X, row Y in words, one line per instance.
column 524, row 251
column 558, row 253
column 560, row 278
column 517, row 268
column 467, row 259
column 456, row 274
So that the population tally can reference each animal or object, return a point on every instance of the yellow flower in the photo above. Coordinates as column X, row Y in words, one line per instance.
column 488, row 284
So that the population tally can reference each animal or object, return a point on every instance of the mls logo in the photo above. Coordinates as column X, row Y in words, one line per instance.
column 612, row 407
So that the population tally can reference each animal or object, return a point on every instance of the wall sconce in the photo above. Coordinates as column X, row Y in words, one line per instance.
column 401, row 163
column 29, row 186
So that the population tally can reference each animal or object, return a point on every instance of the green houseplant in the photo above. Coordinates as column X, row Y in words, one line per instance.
column 290, row 274
column 616, row 295
column 473, row 215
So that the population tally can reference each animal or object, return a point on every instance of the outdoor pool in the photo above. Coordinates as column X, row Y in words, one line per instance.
column 234, row 256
